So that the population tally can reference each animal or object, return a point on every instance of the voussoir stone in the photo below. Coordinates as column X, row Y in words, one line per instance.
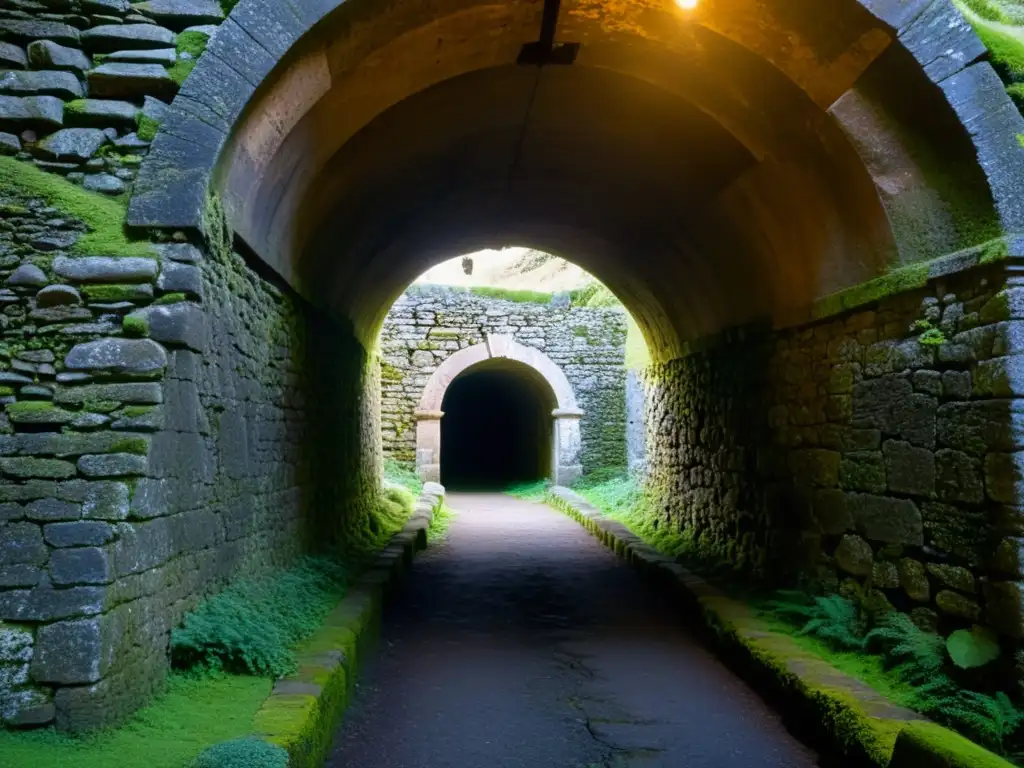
column 108, row 38
column 46, row 54
column 106, row 269
column 38, row 112
column 72, row 144
column 63, row 85
column 119, row 80
column 113, row 355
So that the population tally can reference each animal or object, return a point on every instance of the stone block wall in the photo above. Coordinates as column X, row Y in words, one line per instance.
column 879, row 448
column 84, row 83
column 429, row 323
column 170, row 423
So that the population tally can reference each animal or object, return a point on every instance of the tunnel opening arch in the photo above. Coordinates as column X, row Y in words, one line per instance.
column 563, row 460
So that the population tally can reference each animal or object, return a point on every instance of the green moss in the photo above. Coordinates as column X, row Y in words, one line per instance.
column 75, row 107
column 389, row 372
column 192, row 43
column 1017, row 91
column 434, row 333
column 112, row 293
column 439, row 524
column 101, row 406
column 148, row 127
column 137, row 445
column 135, row 411
column 932, row 337
column 171, row 298
column 193, row 714
column 29, row 406
column 104, row 216
column 988, row 10
column 924, row 745
column 509, row 294
column 580, row 331
column 135, row 325
column 898, row 281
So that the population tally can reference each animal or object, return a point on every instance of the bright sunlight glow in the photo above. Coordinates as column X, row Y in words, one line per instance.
column 687, row 5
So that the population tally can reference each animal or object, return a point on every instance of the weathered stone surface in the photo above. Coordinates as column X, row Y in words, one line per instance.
column 155, row 109
column 831, row 512
column 180, row 324
column 882, row 518
column 69, row 652
column 63, row 85
column 113, row 465
column 25, row 31
column 1003, row 475
column 953, row 576
column 38, row 112
column 862, row 471
column 46, row 604
column 123, row 356
column 165, row 56
column 12, row 56
column 136, row 393
column 106, row 501
column 22, row 544
column 181, row 14
column 72, row 144
column 83, row 533
column 58, row 295
column 914, row 580
column 875, row 399
column 884, row 575
column 979, row 427
column 46, row 54
column 176, row 277
column 958, row 477
column 101, row 113
column 80, row 565
column 120, row 80
column 956, row 604
column 108, row 38
column 815, row 467
column 9, row 144
column 15, row 644
column 27, row 276
column 23, row 468
column 105, row 183
column 103, row 269
column 909, row 470
column 854, row 555
column 51, row 510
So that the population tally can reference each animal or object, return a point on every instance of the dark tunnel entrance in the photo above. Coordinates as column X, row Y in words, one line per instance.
column 497, row 427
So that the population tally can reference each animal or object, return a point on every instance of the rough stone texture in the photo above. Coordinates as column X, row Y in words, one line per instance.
column 427, row 324
column 771, row 449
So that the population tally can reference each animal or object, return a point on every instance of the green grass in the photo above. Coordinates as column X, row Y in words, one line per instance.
column 193, row 43
column 439, row 524
column 403, row 474
column 509, row 294
column 535, row 491
column 103, row 215
column 193, row 714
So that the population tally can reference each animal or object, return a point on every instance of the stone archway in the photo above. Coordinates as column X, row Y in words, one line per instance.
column 565, row 448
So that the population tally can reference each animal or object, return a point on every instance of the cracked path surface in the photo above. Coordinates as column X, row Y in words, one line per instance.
column 521, row 642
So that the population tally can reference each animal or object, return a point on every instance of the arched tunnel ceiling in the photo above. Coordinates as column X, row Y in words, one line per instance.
column 710, row 167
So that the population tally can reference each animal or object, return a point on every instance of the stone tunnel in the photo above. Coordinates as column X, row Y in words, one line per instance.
column 814, row 210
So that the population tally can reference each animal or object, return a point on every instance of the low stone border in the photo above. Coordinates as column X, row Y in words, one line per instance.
column 303, row 709
column 839, row 713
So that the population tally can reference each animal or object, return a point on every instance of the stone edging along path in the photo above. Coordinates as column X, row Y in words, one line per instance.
column 304, row 709
column 840, row 714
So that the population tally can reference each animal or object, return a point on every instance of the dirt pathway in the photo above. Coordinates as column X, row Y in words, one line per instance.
column 520, row 642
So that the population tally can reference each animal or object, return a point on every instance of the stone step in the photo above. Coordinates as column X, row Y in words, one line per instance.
column 46, row 54
column 118, row 37
column 100, row 113
column 12, row 57
column 25, row 31
column 72, row 144
column 36, row 112
column 180, row 14
column 131, row 82
column 105, row 183
column 64, row 85
column 166, row 56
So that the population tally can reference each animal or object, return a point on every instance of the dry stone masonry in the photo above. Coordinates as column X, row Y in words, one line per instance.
column 429, row 323
column 157, row 440
column 84, row 83
column 877, row 450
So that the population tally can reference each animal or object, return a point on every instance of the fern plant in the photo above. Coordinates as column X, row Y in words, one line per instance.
column 989, row 720
column 832, row 618
column 917, row 656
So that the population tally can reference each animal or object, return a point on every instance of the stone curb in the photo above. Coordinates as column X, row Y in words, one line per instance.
column 304, row 708
column 838, row 713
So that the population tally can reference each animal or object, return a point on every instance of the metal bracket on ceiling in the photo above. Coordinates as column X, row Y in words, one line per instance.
column 546, row 50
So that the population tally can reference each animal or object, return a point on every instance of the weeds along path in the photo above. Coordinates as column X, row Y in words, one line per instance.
column 519, row 641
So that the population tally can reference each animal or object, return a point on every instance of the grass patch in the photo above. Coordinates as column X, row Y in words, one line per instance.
column 536, row 491
column 403, row 474
column 193, row 713
column 439, row 524
column 103, row 215
column 509, row 294
column 192, row 43
column 148, row 126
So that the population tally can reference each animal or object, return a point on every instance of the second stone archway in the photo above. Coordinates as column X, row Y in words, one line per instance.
column 565, row 448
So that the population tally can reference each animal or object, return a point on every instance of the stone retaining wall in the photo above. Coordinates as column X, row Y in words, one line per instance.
column 877, row 450
column 429, row 323
column 170, row 423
